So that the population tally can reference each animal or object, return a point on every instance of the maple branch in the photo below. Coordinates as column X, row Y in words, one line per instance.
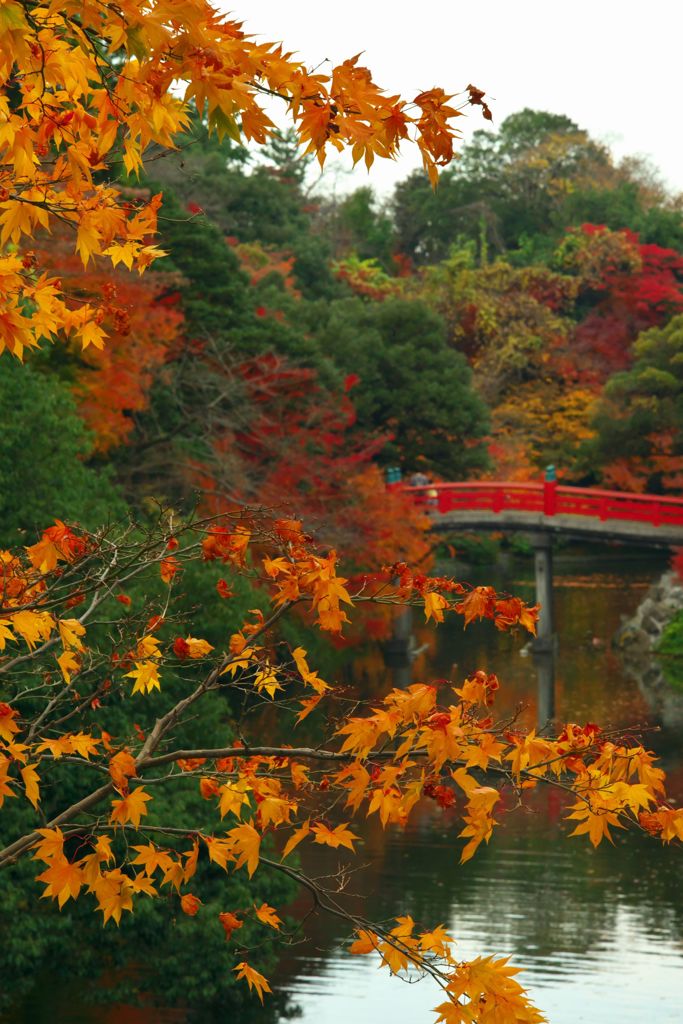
column 323, row 899
column 306, row 753
column 15, row 849
column 162, row 725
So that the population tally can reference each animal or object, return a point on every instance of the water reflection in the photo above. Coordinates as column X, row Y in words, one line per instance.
column 599, row 933
column 545, row 672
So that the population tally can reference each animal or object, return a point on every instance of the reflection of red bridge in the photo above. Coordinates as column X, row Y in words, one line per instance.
column 550, row 508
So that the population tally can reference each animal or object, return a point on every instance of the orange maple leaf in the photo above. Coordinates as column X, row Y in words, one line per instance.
column 247, row 843
column 130, row 808
column 253, row 979
column 122, row 767
column 339, row 836
column 268, row 915
column 31, row 784
column 168, row 568
column 190, row 904
column 63, row 879
column 230, row 923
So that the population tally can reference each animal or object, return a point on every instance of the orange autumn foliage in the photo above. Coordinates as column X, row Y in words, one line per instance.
column 148, row 68
column 382, row 757
column 144, row 325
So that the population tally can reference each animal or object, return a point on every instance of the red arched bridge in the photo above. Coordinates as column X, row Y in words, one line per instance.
column 550, row 508
column 544, row 509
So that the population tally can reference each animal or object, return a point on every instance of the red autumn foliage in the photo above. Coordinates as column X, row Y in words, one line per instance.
column 302, row 453
column 629, row 286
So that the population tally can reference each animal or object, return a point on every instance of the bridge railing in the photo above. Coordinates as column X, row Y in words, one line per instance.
column 548, row 499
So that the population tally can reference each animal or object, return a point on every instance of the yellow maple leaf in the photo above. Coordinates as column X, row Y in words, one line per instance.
column 247, row 843
column 103, row 850
column 88, row 240
column 5, row 633
column 434, row 606
column 266, row 679
column 295, row 838
column 33, row 626
column 221, row 851
column 83, row 744
column 191, row 857
column 70, row 633
column 233, row 797
column 146, row 676
column 150, row 857
column 436, row 941
column 339, row 836
column 69, row 664
column 6, row 782
column 310, row 678
column 479, row 821
column 31, row 781
column 114, row 893
column 50, row 846
column 307, row 706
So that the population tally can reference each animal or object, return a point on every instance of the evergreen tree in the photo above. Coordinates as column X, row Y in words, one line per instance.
column 44, row 448
column 411, row 384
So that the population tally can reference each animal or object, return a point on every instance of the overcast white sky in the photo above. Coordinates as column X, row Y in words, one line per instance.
column 613, row 66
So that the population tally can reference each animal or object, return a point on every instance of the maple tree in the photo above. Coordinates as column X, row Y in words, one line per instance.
column 295, row 446
column 99, row 837
column 87, row 87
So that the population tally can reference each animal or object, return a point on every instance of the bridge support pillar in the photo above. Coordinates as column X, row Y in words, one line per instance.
column 543, row 568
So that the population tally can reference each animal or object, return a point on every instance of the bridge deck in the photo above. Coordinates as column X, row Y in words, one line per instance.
column 587, row 513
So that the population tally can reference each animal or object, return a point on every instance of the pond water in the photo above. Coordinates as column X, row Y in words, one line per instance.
column 599, row 933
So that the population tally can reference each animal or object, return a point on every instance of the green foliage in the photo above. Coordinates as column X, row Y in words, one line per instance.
column 219, row 303
column 429, row 221
column 641, row 413
column 359, row 224
column 472, row 548
column 44, row 448
column 149, row 959
column 412, row 383
column 265, row 203
column 670, row 647
column 518, row 189
column 510, row 183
